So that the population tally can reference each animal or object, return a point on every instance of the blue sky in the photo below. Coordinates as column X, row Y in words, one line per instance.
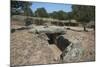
column 50, row 7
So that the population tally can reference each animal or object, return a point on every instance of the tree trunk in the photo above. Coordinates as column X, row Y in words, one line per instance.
column 69, row 22
column 85, row 28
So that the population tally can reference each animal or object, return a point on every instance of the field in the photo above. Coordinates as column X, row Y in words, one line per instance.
column 28, row 48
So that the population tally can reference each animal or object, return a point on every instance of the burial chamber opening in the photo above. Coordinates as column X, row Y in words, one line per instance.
column 62, row 43
column 58, row 40
column 52, row 38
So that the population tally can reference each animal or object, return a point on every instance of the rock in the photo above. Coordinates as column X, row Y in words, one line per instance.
column 43, row 36
column 72, row 53
column 62, row 42
column 13, row 30
column 50, row 29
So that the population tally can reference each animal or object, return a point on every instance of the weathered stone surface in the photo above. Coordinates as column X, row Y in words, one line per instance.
column 72, row 53
column 50, row 29
column 85, row 40
column 62, row 42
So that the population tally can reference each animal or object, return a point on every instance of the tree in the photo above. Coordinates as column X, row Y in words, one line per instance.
column 70, row 16
column 83, row 14
column 23, row 5
column 61, row 15
column 41, row 12
column 53, row 15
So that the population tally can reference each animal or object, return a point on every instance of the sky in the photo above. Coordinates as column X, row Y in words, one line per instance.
column 50, row 7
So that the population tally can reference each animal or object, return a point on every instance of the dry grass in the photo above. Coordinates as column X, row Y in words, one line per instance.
column 29, row 49
column 86, row 40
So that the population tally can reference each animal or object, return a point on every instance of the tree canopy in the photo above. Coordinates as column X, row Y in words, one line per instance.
column 41, row 12
column 83, row 13
column 23, row 5
column 61, row 15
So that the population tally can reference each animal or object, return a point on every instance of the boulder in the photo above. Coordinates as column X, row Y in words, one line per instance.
column 72, row 53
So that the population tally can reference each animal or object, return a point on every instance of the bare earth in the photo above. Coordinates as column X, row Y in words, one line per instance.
column 29, row 49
